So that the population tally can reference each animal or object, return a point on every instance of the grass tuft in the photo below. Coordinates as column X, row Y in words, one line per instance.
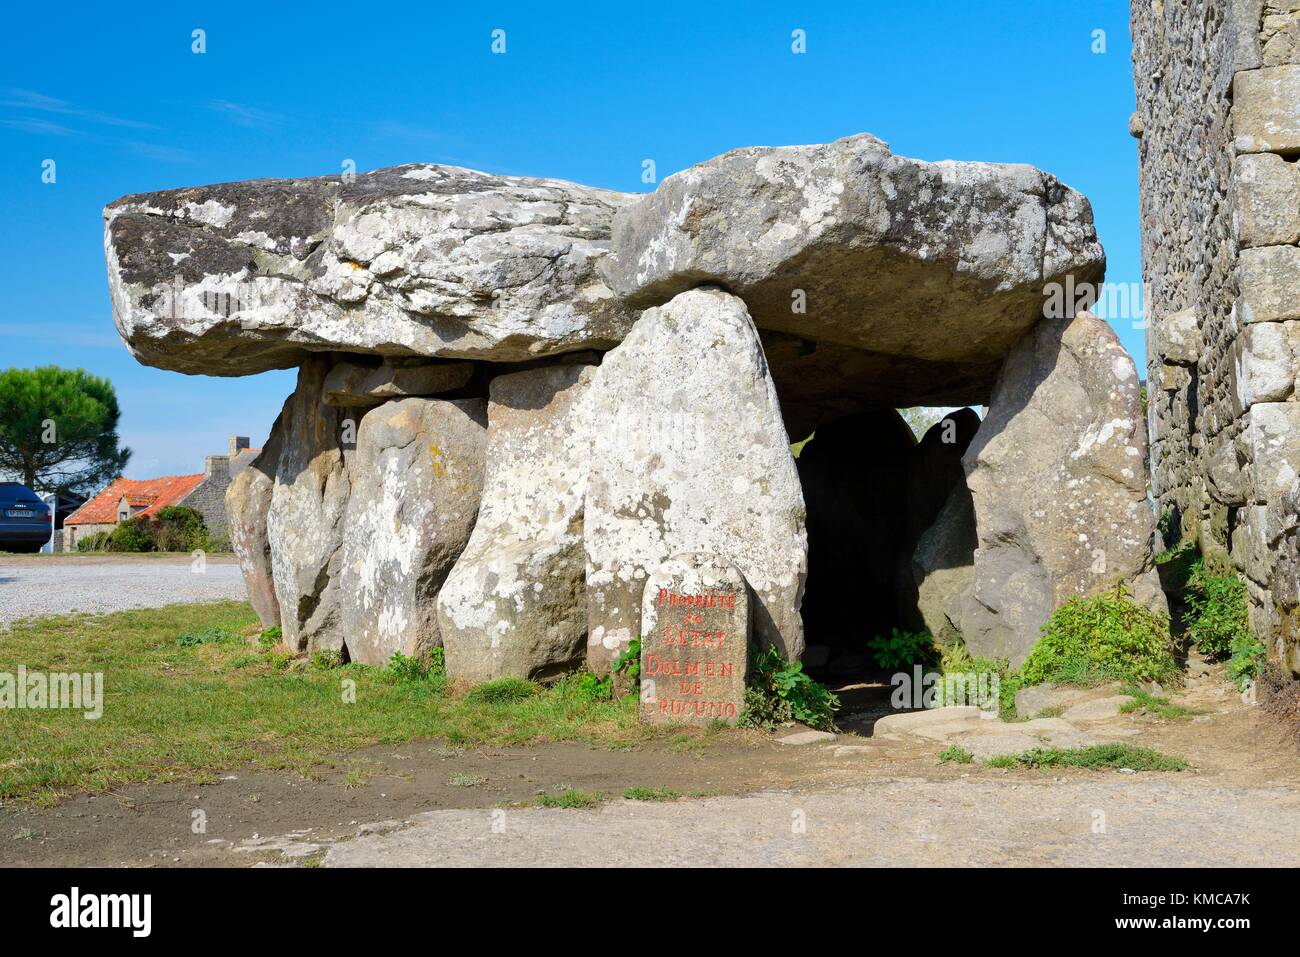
column 571, row 799
column 1099, row 756
column 651, row 794
column 1144, row 702
column 955, row 755
column 503, row 691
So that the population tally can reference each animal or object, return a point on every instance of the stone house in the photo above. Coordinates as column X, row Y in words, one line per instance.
column 124, row 498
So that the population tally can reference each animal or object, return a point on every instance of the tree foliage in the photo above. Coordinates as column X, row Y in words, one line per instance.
column 58, row 429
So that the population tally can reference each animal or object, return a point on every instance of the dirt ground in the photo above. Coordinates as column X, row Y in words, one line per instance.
column 370, row 806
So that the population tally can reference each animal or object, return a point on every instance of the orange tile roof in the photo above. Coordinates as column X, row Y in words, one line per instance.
column 157, row 493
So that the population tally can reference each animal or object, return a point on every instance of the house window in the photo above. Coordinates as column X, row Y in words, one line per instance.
column 121, row 516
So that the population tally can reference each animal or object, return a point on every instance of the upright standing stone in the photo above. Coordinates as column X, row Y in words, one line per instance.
column 304, row 524
column 418, row 477
column 689, row 454
column 1057, row 473
column 514, row 602
column 695, row 628
column 248, row 500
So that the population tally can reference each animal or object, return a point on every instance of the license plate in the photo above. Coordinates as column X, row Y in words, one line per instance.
column 19, row 513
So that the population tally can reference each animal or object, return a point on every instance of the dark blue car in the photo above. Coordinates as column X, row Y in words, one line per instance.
column 24, row 519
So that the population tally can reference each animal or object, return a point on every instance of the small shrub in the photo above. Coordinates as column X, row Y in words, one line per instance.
column 94, row 543
column 1104, row 637
column 502, row 691
column 1216, row 612
column 1247, row 653
column 780, row 692
column 207, row 636
column 132, row 535
column 179, row 528
column 955, row 755
column 902, row 649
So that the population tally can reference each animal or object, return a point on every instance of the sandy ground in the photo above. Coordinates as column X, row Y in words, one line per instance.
column 746, row 799
column 32, row 585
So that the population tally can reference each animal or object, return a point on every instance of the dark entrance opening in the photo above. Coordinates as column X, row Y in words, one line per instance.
column 871, row 490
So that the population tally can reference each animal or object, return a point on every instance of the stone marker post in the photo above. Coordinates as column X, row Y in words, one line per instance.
column 695, row 628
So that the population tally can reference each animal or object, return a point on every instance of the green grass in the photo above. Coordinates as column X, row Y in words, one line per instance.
column 462, row 780
column 503, row 691
column 955, row 755
column 1144, row 702
column 651, row 794
column 1099, row 756
column 176, row 712
column 571, row 799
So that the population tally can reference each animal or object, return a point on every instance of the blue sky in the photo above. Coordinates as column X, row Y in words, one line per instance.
column 115, row 96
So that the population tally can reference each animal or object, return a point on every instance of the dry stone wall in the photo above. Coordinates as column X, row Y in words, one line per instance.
column 1218, row 128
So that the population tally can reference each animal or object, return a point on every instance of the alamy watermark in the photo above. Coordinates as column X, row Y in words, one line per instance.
column 1113, row 301
column 173, row 302
column 933, row 689
column 40, row 690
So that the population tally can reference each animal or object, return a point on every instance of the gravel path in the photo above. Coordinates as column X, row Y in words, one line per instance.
column 1120, row 821
column 57, row 585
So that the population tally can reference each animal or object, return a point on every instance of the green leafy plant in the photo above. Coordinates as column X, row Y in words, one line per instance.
column 1216, row 612
column 962, row 677
column 629, row 662
column 902, row 649
column 585, row 686
column 179, row 528
column 1108, row 636
column 1246, row 658
column 780, row 692
column 270, row 636
column 131, row 535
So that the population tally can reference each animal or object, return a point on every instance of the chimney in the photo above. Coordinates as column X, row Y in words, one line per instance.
column 216, row 466
column 237, row 444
